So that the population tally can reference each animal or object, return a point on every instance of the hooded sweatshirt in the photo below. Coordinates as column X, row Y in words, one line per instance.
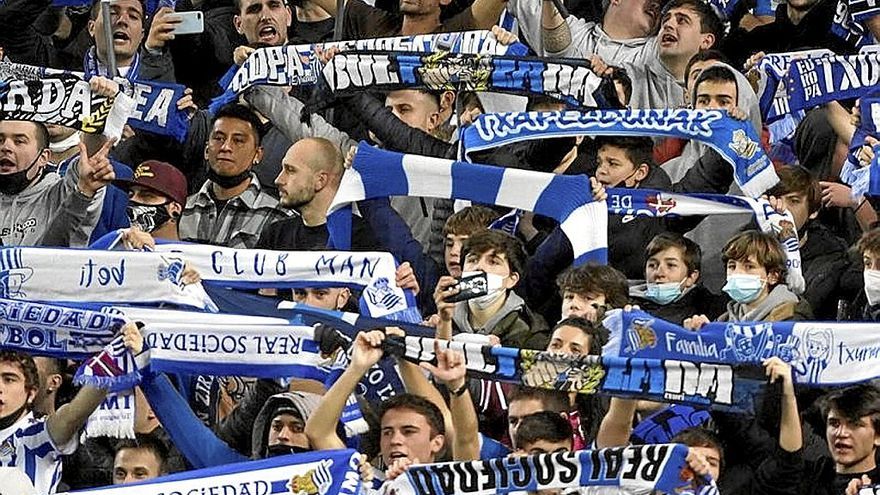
column 25, row 217
column 715, row 231
column 304, row 403
column 781, row 304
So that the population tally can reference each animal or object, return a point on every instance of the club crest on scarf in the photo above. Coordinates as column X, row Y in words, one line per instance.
column 568, row 375
column 742, row 145
column 172, row 271
column 12, row 274
column 381, row 294
column 315, row 481
column 640, row 335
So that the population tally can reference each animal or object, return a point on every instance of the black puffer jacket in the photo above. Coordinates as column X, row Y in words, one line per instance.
column 698, row 301
column 824, row 261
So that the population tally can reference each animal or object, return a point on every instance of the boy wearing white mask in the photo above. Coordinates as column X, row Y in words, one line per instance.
column 500, row 312
column 672, row 290
column 756, row 269
column 869, row 248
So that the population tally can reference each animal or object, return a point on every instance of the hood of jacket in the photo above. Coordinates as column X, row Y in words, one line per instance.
column 24, row 217
column 746, row 99
column 303, row 403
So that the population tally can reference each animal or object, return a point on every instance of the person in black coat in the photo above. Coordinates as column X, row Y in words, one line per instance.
column 672, row 290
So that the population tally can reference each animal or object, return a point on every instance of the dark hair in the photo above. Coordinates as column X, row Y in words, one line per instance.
column 799, row 180
column 484, row 241
column 27, row 365
column 240, row 112
column 42, row 135
column 545, row 425
column 419, row 405
column 470, row 220
column 595, row 279
column 95, row 10
column 701, row 437
column 638, row 149
column 869, row 242
column 553, row 400
column 854, row 402
column 619, row 75
column 596, row 331
column 702, row 56
column 150, row 442
column 716, row 73
column 763, row 246
column 710, row 23
column 690, row 250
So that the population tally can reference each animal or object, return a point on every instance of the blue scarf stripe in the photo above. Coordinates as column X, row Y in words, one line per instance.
column 471, row 182
column 528, row 190
column 580, row 225
column 234, row 369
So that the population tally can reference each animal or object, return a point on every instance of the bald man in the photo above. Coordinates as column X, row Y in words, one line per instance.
column 310, row 175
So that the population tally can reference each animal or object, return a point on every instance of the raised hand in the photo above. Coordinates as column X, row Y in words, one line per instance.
column 367, row 350
column 162, row 28
column 445, row 288
column 405, row 277
column 132, row 338
column 95, row 171
column 450, row 367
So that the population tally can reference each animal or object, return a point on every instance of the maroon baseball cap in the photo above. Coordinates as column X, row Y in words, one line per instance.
column 161, row 177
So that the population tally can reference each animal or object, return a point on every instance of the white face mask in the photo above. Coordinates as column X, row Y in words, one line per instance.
column 495, row 290
column 872, row 286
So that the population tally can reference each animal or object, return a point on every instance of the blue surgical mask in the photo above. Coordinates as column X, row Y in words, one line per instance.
column 743, row 288
column 663, row 294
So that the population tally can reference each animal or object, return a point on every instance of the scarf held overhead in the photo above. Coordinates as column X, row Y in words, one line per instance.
column 718, row 386
column 821, row 354
column 732, row 139
column 637, row 470
column 377, row 174
column 373, row 272
column 297, row 65
column 815, row 82
column 82, row 275
column 328, row 472
column 155, row 104
column 569, row 80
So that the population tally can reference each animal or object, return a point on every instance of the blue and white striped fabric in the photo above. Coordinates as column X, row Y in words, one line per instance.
column 812, row 83
column 734, row 140
column 863, row 180
column 26, row 445
column 377, row 174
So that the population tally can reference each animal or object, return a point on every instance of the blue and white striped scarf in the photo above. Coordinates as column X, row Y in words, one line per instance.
column 773, row 91
column 297, row 65
column 820, row 353
column 638, row 469
column 569, row 80
column 376, row 174
column 88, row 276
column 734, row 140
column 325, row 472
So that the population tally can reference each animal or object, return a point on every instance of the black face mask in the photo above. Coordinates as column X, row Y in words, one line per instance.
column 147, row 217
column 16, row 182
column 12, row 418
column 228, row 181
column 281, row 449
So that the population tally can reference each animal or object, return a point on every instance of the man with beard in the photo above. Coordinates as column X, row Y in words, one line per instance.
column 232, row 207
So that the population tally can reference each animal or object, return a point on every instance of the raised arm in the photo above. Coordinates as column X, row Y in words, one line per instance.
column 321, row 425
column 451, row 371
column 487, row 12
column 66, row 423
column 617, row 423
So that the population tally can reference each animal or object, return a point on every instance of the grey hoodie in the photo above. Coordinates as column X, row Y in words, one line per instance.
column 303, row 402
column 714, row 232
column 25, row 217
column 779, row 295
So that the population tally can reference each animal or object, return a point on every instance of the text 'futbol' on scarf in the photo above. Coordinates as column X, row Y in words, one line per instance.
column 297, row 65
column 329, row 472
column 152, row 106
column 569, row 80
column 638, row 470
column 820, row 353
column 372, row 272
column 377, row 173
column 734, row 140
column 94, row 276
